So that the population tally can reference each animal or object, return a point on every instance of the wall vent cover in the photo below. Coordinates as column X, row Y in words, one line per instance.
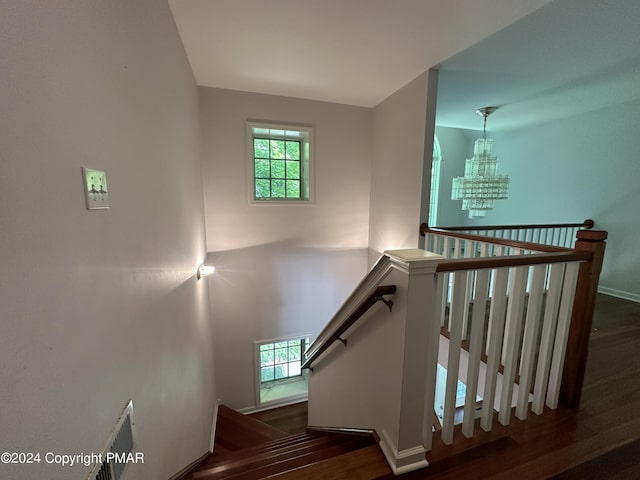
column 120, row 444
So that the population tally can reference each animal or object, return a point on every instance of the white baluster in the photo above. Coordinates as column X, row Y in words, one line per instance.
column 469, row 247
column 529, row 344
column 549, row 323
column 442, row 245
column 449, row 247
column 445, row 297
column 457, row 248
column 484, row 249
column 513, row 330
column 494, row 344
column 562, row 333
column 563, row 242
column 475, row 349
column 453, row 361
column 432, row 346
column 428, row 242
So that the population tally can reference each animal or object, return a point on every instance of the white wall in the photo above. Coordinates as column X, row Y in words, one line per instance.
column 281, row 270
column 99, row 307
column 399, row 124
column 580, row 167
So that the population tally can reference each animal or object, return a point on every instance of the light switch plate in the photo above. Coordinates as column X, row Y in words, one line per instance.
column 96, row 192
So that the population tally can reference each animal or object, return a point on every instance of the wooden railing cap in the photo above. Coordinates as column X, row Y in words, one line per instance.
column 592, row 235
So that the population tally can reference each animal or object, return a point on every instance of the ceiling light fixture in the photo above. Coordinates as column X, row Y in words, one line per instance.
column 481, row 184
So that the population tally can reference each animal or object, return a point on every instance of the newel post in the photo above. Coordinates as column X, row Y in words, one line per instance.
column 405, row 442
column 583, row 307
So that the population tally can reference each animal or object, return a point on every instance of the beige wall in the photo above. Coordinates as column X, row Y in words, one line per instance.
column 99, row 307
column 281, row 270
column 399, row 125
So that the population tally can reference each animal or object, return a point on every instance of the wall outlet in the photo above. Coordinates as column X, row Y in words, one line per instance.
column 96, row 192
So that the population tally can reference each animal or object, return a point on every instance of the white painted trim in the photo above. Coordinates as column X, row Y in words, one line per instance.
column 307, row 161
column 633, row 297
column 275, row 404
column 214, row 424
column 403, row 461
column 257, row 383
column 181, row 475
column 414, row 261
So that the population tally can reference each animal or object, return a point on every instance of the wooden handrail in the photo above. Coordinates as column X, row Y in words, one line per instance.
column 512, row 261
column 539, row 247
column 587, row 224
column 366, row 304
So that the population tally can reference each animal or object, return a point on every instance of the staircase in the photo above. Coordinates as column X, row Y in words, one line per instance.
column 248, row 449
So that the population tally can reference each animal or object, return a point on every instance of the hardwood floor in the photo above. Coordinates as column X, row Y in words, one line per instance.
column 562, row 442
column 291, row 419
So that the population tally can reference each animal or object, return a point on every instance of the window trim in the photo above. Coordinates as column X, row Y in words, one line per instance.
column 306, row 161
column 434, row 182
column 257, row 369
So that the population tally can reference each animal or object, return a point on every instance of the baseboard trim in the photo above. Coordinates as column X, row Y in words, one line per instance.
column 182, row 474
column 403, row 461
column 186, row 470
column 633, row 297
column 270, row 406
column 214, row 423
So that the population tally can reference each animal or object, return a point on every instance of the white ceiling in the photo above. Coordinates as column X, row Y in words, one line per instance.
column 537, row 59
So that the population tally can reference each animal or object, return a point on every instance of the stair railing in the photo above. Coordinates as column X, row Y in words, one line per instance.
column 514, row 303
column 556, row 234
column 318, row 348
column 514, row 312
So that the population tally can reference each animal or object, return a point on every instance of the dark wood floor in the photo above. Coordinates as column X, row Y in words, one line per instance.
column 291, row 419
column 571, row 444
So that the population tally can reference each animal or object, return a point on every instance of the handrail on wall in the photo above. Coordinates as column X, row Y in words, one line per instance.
column 367, row 303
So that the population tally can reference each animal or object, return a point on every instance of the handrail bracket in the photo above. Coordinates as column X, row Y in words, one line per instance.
column 388, row 303
column 365, row 304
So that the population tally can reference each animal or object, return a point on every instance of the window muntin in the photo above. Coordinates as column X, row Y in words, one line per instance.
column 279, row 162
column 278, row 169
column 282, row 359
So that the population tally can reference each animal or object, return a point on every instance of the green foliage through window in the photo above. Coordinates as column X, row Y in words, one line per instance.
column 281, row 359
column 277, row 168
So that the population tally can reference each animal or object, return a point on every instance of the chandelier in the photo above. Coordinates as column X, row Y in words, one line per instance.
column 481, row 184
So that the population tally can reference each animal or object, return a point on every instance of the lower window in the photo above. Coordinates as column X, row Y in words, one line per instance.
column 279, row 370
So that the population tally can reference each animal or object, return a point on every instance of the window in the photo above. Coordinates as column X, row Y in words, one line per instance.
column 281, row 359
column 279, row 374
column 435, row 183
column 279, row 162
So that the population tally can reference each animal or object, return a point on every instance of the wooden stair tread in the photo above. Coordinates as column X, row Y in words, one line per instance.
column 362, row 464
column 251, row 458
column 271, row 468
column 248, row 449
column 231, row 455
column 235, row 431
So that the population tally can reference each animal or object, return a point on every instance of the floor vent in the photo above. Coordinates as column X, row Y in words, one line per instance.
column 119, row 446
